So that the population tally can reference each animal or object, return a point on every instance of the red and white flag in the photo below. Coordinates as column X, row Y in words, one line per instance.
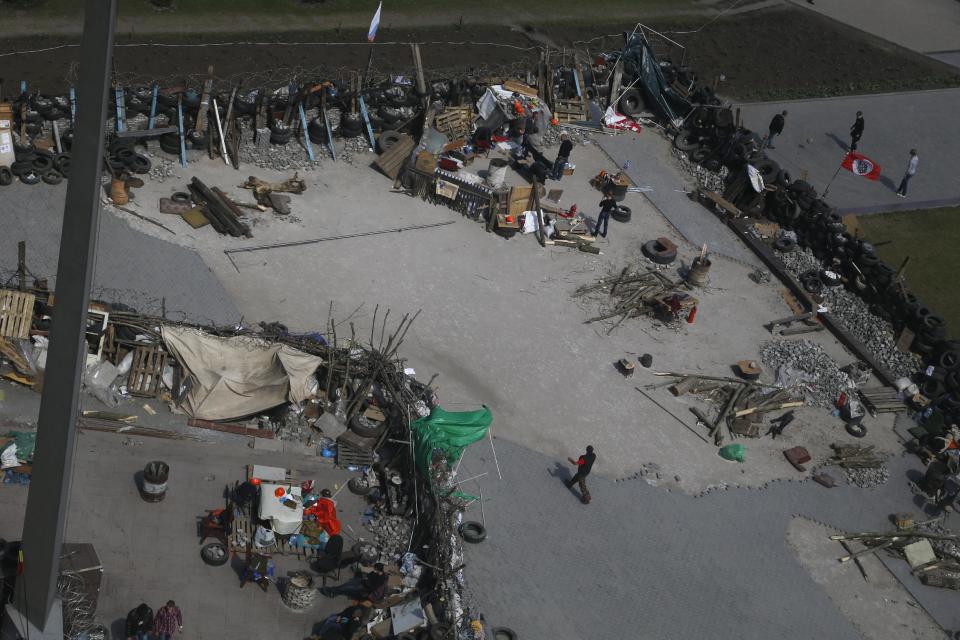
column 861, row 165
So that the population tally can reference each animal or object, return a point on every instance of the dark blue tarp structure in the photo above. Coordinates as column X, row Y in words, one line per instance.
column 640, row 64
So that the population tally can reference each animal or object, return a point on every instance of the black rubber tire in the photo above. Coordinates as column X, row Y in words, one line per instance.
column 504, row 633
column 140, row 164
column 768, row 170
column 785, row 244
column 621, row 214
column 932, row 388
column 505, row 233
column 42, row 163
column 61, row 162
column 949, row 360
column 280, row 135
column 21, row 166
column 365, row 428
column 124, row 153
column 215, row 554
column 170, row 143
column 29, row 177
column 358, row 488
column 699, row 154
column 856, row 430
column 712, row 164
column 687, row 140
column 723, row 118
column 387, row 139
column 52, row 177
column 472, row 531
column 658, row 257
column 631, row 103
column 441, row 631
column 6, row 176
column 181, row 196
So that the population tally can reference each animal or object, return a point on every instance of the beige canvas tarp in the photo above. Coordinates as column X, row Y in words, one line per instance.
column 238, row 376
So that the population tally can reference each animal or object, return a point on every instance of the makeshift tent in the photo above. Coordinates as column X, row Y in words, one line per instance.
column 238, row 376
column 640, row 63
column 450, row 432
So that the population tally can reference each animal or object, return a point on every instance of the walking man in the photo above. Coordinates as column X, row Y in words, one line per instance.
column 584, row 465
column 169, row 620
column 140, row 623
column 562, row 157
column 607, row 205
column 856, row 131
column 776, row 128
column 911, row 171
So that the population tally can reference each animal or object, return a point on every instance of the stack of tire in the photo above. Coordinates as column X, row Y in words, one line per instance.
column 122, row 157
column 710, row 139
column 796, row 207
column 33, row 166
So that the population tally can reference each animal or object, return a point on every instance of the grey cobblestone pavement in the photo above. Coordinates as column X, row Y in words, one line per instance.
column 642, row 561
column 128, row 262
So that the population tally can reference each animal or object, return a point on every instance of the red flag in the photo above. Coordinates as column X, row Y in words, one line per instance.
column 861, row 165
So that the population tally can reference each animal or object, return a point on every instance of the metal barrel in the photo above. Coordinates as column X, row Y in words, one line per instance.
column 155, row 476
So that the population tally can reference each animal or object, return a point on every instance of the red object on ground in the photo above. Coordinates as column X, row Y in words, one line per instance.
column 861, row 165
column 692, row 316
column 842, row 400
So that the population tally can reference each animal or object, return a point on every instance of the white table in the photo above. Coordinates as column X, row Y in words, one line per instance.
column 283, row 520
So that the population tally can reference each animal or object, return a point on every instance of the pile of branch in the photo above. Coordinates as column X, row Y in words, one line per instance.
column 942, row 571
column 634, row 293
column 741, row 403
column 264, row 191
column 851, row 456
column 219, row 209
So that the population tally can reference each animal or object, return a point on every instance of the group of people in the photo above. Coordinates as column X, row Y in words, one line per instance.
column 856, row 132
column 142, row 623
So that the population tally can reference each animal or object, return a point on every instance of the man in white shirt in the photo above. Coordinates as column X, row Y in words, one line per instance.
column 911, row 170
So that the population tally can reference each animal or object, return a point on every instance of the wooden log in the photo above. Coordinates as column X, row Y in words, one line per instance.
column 761, row 409
column 683, row 386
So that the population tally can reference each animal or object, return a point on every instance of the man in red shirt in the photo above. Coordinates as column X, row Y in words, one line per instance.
column 584, row 465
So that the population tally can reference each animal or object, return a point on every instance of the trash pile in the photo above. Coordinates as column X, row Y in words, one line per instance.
column 805, row 364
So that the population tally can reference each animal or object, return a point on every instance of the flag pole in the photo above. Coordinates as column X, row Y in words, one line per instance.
column 827, row 188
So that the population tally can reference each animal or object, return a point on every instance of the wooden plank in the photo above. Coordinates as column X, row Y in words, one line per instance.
column 226, row 427
column 16, row 313
column 392, row 160
column 521, row 88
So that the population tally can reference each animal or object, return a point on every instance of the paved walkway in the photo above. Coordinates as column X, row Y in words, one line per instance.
column 816, row 136
column 661, row 565
column 128, row 263
column 927, row 26
column 652, row 164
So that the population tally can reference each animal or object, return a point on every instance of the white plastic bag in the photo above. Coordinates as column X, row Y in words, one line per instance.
column 98, row 380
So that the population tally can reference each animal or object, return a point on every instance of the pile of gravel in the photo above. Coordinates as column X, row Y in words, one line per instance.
column 854, row 314
column 714, row 181
column 869, row 477
column 551, row 137
column 392, row 534
column 162, row 167
column 826, row 381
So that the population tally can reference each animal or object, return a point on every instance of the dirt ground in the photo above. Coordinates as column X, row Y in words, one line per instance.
column 814, row 57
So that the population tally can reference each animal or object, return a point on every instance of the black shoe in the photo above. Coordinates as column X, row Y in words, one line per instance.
column 327, row 592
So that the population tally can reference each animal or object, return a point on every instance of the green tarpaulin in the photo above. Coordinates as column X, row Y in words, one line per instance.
column 449, row 431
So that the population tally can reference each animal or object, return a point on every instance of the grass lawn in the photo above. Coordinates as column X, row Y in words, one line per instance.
column 362, row 8
column 930, row 239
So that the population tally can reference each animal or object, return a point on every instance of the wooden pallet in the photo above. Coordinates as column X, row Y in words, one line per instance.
column 454, row 121
column 242, row 535
column 392, row 160
column 16, row 313
column 569, row 111
column 352, row 449
column 146, row 373
column 882, row 400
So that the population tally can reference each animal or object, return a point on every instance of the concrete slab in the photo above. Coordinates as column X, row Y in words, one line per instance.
column 816, row 136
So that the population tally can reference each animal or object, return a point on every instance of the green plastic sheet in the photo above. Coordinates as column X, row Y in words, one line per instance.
column 449, row 431
column 26, row 441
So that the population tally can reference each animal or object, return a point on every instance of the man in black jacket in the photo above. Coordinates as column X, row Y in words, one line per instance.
column 140, row 623
column 856, row 131
column 776, row 128
column 566, row 147
column 371, row 586
column 584, row 465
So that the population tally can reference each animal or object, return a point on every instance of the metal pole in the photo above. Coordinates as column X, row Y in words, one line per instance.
column 56, row 425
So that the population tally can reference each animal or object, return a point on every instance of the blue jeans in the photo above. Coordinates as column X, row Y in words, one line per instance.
column 902, row 189
column 558, row 166
column 603, row 219
column 770, row 139
column 142, row 635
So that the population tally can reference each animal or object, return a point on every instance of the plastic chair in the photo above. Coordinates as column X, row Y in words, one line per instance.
column 329, row 564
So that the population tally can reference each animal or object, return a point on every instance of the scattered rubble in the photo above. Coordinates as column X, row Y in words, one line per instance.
column 872, row 331
column 710, row 180
column 819, row 375
column 866, row 478
column 392, row 534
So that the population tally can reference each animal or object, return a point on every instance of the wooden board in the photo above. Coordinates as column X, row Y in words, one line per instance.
column 146, row 373
column 392, row 160
column 16, row 313
column 521, row 88
column 721, row 202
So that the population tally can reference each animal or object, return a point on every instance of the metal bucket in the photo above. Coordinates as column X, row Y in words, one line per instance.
column 155, row 476
column 699, row 272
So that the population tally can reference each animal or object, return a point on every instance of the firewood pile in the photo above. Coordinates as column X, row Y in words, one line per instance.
column 635, row 293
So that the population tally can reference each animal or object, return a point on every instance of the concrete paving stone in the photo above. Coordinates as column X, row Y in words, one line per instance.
column 816, row 136
column 130, row 266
